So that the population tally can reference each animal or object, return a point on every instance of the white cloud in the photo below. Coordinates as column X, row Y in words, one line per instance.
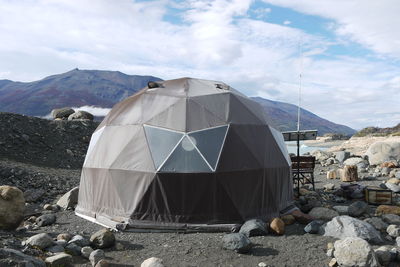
column 217, row 40
column 287, row 22
column 370, row 23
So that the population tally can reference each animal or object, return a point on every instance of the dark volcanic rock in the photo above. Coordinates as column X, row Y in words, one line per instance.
column 46, row 219
column 46, row 143
column 253, row 227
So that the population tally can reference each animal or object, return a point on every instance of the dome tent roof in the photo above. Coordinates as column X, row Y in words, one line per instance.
column 187, row 151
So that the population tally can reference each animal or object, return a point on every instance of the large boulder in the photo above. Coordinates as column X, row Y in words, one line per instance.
column 357, row 208
column 321, row 213
column 103, row 238
column 380, row 152
column 81, row 115
column 237, row 242
column 12, row 257
column 341, row 156
column 354, row 251
column 346, row 226
column 69, row 199
column 321, row 155
column 12, row 207
column 60, row 259
column 41, row 241
column 61, row 113
column 253, row 227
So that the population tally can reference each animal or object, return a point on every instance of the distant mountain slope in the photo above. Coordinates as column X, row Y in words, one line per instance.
column 78, row 88
column 74, row 88
column 284, row 117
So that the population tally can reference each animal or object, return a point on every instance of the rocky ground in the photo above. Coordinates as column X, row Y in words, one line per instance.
column 27, row 165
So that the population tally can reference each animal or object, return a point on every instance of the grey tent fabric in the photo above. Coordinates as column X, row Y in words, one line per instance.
column 188, row 151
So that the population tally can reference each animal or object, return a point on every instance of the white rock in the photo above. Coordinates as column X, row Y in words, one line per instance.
column 69, row 199
column 152, row 262
column 380, row 152
column 353, row 161
column 393, row 230
column 354, row 251
column 346, row 226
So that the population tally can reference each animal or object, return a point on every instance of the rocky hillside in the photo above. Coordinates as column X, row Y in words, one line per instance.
column 376, row 131
column 57, row 144
column 78, row 88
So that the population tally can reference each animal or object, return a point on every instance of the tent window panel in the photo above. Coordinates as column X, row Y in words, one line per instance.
column 209, row 142
column 185, row 158
column 161, row 143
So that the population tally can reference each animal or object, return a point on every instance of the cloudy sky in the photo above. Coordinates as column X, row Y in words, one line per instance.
column 348, row 51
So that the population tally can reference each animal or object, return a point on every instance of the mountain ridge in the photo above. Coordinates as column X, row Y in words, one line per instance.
column 104, row 89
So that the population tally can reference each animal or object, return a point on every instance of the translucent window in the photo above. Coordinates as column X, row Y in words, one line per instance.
column 209, row 142
column 185, row 158
column 161, row 143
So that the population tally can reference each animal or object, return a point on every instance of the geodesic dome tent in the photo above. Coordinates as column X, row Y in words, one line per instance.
column 185, row 151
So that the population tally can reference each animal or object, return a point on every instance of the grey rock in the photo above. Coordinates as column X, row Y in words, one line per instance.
column 46, row 219
column 353, row 161
column 12, row 207
column 385, row 171
column 86, row 251
column 321, row 155
column 354, row 251
column 61, row 259
column 378, row 223
column 357, row 194
column 69, row 199
column 320, row 213
column 81, row 115
column 346, row 226
column 61, row 113
column 357, row 208
column 33, row 195
column 254, row 227
column 341, row 156
column 342, row 210
column 18, row 259
column 96, row 256
column 391, row 218
column 80, row 241
column 380, row 152
column 397, row 175
column 42, row 241
column 103, row 238
column 313, row 227
column 237, row 242
column 61, row 242
column 73, row 249
column 56, row 249
column 398, row 241
column 384, row 255
column 394, row 187
column 393, row 230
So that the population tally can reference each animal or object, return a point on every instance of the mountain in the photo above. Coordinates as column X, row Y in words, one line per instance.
column 75, row 88
column 78, row 88
column 284, row 117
